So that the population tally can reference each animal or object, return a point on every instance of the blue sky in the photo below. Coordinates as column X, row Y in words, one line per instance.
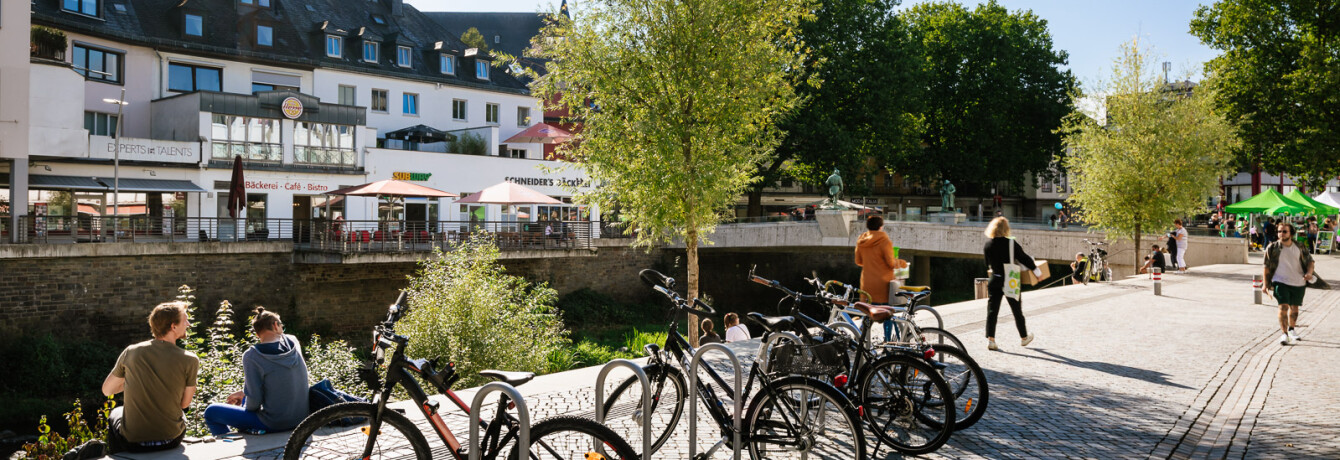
column 1090, row 30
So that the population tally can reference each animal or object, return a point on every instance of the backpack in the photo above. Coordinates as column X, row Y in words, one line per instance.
column 324, row 394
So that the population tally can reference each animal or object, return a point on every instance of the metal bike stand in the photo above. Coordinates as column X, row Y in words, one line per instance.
column 912, row 314
column 765, row 349
column 522, row 416
column 693, row 397
column 646, row 398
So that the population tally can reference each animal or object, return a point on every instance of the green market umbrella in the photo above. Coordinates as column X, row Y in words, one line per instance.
column 1318, row 208
column 1268, row 202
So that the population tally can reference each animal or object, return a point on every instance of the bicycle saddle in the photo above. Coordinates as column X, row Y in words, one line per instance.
column 772, row 323
column 913, row 296
column 916, row 288
column 875, row 312
column 515, row 379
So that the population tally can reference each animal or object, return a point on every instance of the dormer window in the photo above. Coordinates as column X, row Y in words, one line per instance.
column 87, row 7
column 264, row 3
column 334, row 46
column 377, row 18
column 482, row 70
column 370, row 51
column 195, row 25
column 265, row 35
column 402, row 56
column 448, row 64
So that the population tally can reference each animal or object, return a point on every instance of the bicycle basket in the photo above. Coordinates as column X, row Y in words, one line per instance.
column 825, row 359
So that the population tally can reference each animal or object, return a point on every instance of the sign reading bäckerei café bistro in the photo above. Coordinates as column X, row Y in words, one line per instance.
column 134, row 149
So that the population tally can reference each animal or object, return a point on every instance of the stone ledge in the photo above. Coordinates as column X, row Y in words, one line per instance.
column 49, row 251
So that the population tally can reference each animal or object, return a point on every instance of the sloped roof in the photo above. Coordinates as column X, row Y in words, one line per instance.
column 506, row 32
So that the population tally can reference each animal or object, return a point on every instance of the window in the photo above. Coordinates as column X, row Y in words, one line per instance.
column 100, row 124
column 379, row 19
column 258, row 87
column 265, row 36
column 323, row 144
column 254, row 139
column 187, row 78
column 379, row 97
column 491, row 114
column 448, row 64
column 458, row 109
column 402, row 56
column 516, row 153
column 523, row 116
column 369, row 51
column 97, row 64
column 348, row 95
column 89, row 7
column 195, row 25
column 482, row 70
column 334, row 46
column 410, row 104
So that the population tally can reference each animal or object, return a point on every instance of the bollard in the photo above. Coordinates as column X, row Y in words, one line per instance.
column 1158, row 281
column 1256, row 287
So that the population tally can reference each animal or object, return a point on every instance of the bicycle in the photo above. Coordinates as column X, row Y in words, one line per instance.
column 903, row 326
column 789, row 416
column 1096, row 269
column 344, row 430
column 902, row 389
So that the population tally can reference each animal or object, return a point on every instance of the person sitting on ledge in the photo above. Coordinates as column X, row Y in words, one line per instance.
column 274, row 396
column 158, row 378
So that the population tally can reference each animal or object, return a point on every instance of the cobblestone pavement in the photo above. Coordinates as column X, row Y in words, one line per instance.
column 1115, row 372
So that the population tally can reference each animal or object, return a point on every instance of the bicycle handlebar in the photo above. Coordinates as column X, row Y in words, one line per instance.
column 664, row 284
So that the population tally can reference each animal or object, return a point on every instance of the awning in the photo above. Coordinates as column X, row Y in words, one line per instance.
column 154, row 185
column 83, row 183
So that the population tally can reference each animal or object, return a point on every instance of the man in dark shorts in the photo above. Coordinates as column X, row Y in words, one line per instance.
column 158, row 379
column 1288, row 269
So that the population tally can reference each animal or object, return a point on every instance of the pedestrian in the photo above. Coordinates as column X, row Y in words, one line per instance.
column 274, row 392
column 1270, row 229
column 1183, row 244
column 1288, row 270
column 997, row 254
column 874, row 254
column 1171, row 244
column 709, row 333
column 1079, row 268
column 1312, row 230
column 1154, row 260
column 735, row 331
column 158, row 379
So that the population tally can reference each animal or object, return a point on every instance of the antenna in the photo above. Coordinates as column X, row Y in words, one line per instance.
column 1166, row 67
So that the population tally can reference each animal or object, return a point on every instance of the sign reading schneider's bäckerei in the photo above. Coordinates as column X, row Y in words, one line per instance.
column 133, row 149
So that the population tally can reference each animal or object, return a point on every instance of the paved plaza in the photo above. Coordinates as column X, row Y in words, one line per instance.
column 1115, row 372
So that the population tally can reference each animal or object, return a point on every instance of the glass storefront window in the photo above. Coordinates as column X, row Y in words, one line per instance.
column 324, row 144
column 255, row 139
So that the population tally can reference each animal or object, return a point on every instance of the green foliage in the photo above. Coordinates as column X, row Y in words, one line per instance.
column 472, row 38
column 994, row 94
column 1277, row 81
column 587, row 308
column 51, row 445
column 470, row 144
column 466, row 309
column 1157, row 158
column 48, row 42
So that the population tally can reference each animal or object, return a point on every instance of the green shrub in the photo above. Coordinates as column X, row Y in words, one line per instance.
column 470, row 144
column 466, row 309
column 53, row 445
column 636, row 340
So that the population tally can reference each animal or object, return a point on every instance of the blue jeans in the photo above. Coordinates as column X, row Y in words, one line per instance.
column 218, row 417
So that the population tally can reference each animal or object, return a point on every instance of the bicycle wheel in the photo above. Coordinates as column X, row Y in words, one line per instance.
column 925, row 316
column 623, row 407
column 966, row 382
column 904, row 400
column 937, row 336
column 798, row 417
column 319, row 437
column 572, row 438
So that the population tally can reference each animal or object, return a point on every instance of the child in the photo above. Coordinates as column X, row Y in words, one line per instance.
column 709, row 335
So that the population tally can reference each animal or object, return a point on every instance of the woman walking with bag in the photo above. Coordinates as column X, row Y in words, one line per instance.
column 1000, row 251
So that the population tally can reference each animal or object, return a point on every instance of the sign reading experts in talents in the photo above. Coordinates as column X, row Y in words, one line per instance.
column 292, row 107
column 133, row 149
column 411, row 176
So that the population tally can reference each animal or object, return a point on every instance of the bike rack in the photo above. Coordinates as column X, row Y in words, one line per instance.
column 693, row 397
column 522, row 415
column 646, row 398
column 765, row 349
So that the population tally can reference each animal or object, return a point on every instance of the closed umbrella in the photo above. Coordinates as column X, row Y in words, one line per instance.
column 237, row 189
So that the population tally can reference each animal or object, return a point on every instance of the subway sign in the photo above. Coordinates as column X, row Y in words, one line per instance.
column 412, row 176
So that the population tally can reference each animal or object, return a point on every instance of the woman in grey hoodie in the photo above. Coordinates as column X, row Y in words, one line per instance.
column 274, row 396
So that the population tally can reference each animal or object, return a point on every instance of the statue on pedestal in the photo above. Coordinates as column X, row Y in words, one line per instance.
column 947, row 196
column 834, row 183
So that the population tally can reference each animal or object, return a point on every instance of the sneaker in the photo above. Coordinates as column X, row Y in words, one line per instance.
column 992, row 346
column 1294, row 335
column 1026, row 340
column 1286, row 340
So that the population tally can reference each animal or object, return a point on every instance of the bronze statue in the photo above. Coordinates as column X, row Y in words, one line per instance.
column 834, row 183
column 947, row 197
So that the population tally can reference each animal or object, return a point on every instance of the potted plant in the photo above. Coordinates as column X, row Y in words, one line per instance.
column 48, row 43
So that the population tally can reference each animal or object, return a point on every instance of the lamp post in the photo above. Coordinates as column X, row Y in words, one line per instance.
column 116, row 165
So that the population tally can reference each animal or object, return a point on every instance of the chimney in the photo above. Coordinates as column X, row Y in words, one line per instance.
column 397, row 7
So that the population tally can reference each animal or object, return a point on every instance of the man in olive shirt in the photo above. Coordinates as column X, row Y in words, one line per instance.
column 159, row 379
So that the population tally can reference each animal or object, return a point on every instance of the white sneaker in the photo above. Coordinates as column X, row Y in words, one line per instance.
column 1286, row 340
column 992, row 346
column 1294, row 335
column 1026, row 340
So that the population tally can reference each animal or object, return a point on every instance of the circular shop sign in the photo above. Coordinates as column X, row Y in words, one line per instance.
column 292, row 107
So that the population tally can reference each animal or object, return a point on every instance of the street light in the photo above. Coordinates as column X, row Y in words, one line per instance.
column 116, row 164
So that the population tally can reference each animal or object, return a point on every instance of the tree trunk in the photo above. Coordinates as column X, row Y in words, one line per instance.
column 755, row 202
column 1138, row 260
column 691, row 249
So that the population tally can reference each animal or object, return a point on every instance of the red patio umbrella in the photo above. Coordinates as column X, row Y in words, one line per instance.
column 237, row 189
column 540, row 133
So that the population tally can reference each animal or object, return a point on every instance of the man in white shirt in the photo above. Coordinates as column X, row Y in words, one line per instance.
column 734, row 330
column 1288, row 269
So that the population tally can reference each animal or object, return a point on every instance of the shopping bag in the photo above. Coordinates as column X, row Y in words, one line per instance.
column 1013, row 278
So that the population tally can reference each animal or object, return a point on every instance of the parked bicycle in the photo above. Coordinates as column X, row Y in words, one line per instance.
column 1096, row 267
column 843, row 317
column 373, row 430
column 788, row 417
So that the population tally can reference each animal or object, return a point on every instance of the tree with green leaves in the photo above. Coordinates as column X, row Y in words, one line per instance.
column 1156, row 158
column 1277, row 81
column 472, row 38
column 995, row 93
column 860, row 89
column 679, row 101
